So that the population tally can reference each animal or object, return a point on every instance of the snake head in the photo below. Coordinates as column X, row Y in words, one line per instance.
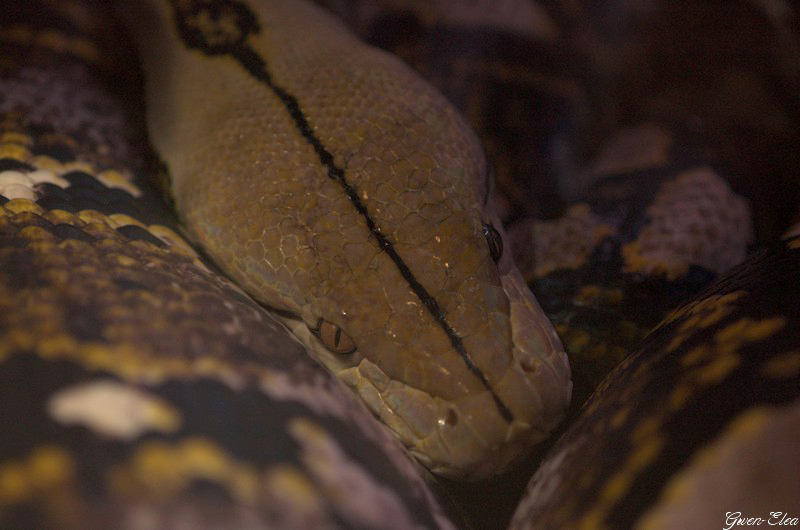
column 333, row 183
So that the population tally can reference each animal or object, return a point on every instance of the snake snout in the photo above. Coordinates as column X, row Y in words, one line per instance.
column 526, row 372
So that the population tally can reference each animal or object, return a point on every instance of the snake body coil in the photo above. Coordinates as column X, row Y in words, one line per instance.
column 333, row 184
column 142, row 389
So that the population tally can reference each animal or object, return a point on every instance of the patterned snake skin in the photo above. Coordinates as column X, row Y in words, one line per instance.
column 142, row 388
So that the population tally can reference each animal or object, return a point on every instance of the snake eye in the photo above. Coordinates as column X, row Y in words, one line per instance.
column 495, row 241
column 333, row 337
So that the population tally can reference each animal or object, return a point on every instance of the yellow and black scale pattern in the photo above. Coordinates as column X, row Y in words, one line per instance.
column 139, row 389
column 702, row 420
column 651, row 232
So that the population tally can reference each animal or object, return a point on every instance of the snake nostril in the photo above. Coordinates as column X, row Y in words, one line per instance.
column 333, row 338
column 495, row 241
column 527, row 366
column 451, row 419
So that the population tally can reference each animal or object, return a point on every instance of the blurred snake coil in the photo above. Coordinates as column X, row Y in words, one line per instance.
column 183, row 180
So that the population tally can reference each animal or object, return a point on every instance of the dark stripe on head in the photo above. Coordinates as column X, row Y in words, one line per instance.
column 234, row 45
